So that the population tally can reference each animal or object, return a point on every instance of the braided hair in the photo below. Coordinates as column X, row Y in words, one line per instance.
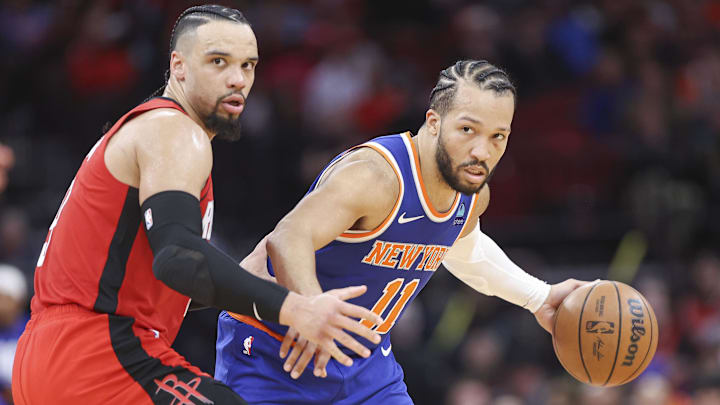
column 479, row 72
column 192, row 18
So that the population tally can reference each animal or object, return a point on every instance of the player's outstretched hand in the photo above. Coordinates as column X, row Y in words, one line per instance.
column 300, row 355
column 323, row 319
column 302, row 352
column 545, row 314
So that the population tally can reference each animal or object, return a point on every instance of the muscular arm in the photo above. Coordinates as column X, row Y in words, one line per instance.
column 360, row 191
column 480, row 263
column 174, row 159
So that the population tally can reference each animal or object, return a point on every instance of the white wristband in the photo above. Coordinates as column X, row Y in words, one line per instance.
column 480, row 263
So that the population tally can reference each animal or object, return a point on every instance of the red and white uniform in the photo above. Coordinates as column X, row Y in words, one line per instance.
column 102, row 324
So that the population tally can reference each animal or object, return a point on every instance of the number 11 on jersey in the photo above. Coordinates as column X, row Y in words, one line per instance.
column 389, row 292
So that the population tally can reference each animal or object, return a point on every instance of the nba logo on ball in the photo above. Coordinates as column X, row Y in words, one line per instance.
column 605, row 328
column 605, row 333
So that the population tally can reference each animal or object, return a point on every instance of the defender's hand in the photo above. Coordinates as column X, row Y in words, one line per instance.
column 545, row 314
column 302, row 352
column 323, row 318
column 322, row 358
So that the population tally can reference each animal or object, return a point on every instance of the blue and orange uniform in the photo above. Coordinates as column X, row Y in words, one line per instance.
column 102, row 325
column 395, row 261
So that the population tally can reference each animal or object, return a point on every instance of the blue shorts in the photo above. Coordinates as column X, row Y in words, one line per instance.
column 254, row 370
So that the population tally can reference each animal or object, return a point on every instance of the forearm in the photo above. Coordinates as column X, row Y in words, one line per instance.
column 479, row 262
column 292, row 255
column 190, row 265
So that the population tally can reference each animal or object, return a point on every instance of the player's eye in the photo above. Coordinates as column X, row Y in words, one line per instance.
column 248, row 65
column 218, row 61
column 466, row 129
column 499, row 136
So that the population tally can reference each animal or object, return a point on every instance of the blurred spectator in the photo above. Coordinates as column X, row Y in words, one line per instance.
column 507, row 400
column 339, row 82
column 560, row 391
column 24, row 25
column 592, row 395
column 707, row 390
column 7, row 160
column 700, row 311
column 468, row 392
column 652, row 390
column 16, row 245
column 13, row 317
column 482, row 353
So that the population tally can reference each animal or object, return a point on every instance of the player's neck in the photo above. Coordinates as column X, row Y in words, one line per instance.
column 173, row 91
column 440, row 193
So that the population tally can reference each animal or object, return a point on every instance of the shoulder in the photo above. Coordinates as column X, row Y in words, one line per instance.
column 362, row 178
column 173, row 152
column 165, row 127
column 368, row 167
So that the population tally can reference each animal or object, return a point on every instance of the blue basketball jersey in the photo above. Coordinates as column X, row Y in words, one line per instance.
column 396, row 259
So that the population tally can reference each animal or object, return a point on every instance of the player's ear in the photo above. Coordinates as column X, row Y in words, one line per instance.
column 177, row 65
column 432, row 120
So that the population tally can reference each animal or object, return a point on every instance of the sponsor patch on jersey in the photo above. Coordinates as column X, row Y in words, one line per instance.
column 148, row 219
column 459, row 217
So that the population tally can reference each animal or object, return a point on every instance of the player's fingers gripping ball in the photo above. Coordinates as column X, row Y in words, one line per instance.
column 605, row 333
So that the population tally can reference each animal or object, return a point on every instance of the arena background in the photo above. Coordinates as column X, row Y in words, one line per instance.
column 612, row 171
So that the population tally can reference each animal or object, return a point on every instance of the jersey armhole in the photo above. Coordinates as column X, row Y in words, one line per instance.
column 351, row 236
column 473, row 202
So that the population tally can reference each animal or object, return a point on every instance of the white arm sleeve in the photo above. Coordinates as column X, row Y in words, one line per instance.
column 480, row 263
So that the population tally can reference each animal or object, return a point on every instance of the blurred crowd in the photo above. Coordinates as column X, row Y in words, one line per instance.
column 612, row 171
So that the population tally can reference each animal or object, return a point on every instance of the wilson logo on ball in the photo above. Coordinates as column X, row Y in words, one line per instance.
column 601, row 327
column 637, row 331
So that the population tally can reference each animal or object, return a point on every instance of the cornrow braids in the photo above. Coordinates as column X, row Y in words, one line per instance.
column 192, row 18
column 196, row 16
column 479, row 72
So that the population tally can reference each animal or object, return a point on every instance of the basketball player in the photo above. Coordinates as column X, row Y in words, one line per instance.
column 386, row 213
column 128, row 245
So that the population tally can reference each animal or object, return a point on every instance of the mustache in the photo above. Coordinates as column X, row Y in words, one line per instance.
column 476, row 162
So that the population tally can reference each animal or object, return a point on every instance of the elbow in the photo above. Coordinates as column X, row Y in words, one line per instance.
column 185, row 271
column 275, row 247
column 162, row 261
column 280, row 238
column 273, row 243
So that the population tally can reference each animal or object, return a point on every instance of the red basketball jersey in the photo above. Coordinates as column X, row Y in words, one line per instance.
column 97, row 254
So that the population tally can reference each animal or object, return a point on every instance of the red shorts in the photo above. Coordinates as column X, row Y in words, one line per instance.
column 70, row 355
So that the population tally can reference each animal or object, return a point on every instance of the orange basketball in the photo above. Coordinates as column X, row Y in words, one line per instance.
column 605, row 333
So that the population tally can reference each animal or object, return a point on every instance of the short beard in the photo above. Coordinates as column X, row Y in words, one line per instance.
column 444, row 163
column 228, row 129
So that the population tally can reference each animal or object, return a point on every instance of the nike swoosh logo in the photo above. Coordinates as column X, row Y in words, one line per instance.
column 403, row 220
column 386, row 352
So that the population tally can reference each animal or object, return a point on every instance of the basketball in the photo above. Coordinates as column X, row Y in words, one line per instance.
column 605, row 333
